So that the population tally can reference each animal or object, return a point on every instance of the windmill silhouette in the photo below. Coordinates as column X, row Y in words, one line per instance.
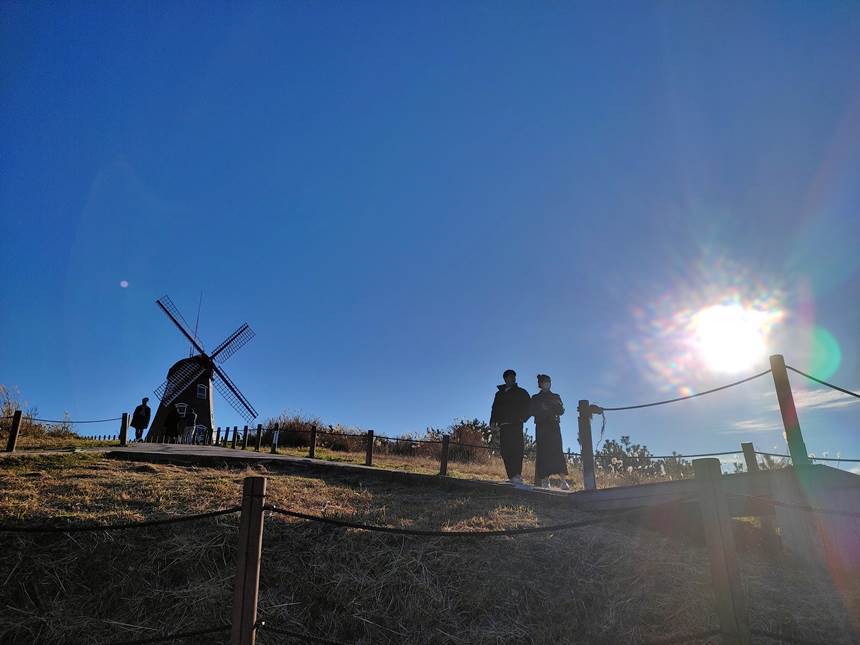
column 190, row 380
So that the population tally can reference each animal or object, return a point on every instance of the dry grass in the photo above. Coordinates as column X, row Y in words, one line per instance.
column 595, row 585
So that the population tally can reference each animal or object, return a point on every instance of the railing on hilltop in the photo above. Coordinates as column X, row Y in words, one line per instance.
column 244, row 624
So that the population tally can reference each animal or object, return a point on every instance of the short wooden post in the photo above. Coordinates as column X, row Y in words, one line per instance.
column 368, row 458
column 585, row 410
column 246, row 585
column 312, row 443
column 749, row 456
column 245, row 438
column 218, row 436
column 729, row 593
column 235, row 437
column 443, row 465
column 123, row 430
column 796, row 445
column 275, row 436
column 12, row 441
column 259, row 437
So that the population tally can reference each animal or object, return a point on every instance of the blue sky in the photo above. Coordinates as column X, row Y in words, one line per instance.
column 405, row 200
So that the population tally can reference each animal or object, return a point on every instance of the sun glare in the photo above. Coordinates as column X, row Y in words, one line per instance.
column 731, row 338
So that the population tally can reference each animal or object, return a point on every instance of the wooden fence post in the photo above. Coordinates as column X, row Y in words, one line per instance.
column 218, row 437
column 246, row 586
column 749, row 456
column 275, row 436
column 728, row 591
column 312, row 443
column 796, row 445
column 443, row 466
column 259, row 437
column 586, row 447
column 12, row 441
column 245, row 438
column 235, row 437
column 368, row 459
column 123, row 430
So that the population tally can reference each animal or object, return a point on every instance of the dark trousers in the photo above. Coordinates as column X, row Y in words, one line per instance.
column 511, row 440
column 138, row 433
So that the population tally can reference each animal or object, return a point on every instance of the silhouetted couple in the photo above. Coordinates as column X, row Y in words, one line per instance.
column 512, row 407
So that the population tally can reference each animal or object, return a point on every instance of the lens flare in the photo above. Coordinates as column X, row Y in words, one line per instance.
column 717, row 317
column 730, row 337
column 826, row 355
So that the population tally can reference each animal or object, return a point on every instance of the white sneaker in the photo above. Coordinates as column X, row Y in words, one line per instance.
column 564, row 485
column 544, row 483
column 516, row 479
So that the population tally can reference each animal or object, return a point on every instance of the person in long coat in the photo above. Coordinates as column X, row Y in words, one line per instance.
column 510, row 411
column 140, row 418
column 546, row 408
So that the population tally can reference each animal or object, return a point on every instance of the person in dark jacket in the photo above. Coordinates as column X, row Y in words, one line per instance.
column 171, row 424
column 510, row 411
column 546, row 407
column 140, row 419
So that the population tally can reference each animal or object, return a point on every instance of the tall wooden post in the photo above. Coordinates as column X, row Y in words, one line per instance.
column 312, row 443
column 729, row 593
column 218, row 437
column 443, row 466
column 275, row 436
column 235, row 437
column 368, row 458
column 245, row 438
column 796, row 445
column 770, row 539
column 12, row 441
column 585, row 411
column 246, row 585
column 123, row 430
column 259, row 437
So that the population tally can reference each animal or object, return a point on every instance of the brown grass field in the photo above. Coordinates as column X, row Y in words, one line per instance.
column 613, row 583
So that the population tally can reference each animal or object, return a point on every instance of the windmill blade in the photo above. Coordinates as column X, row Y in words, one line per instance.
column 234, row 397
column 233, row 343
column 178, row 382
column 172, row 312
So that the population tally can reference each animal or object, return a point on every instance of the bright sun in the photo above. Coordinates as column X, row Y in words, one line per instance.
column 731, row 338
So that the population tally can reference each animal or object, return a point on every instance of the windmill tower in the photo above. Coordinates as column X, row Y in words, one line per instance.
column 190, row 380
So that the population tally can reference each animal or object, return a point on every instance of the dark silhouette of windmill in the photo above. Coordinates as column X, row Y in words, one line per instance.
column 190, row 380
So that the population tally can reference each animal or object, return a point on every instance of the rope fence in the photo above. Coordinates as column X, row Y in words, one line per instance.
column 823, row 382
column 123, row 526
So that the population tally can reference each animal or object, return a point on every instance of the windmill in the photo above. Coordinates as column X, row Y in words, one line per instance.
column 190, row 380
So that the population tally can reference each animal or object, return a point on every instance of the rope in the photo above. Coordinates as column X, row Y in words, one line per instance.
column 380, row 436
column 773, row 454
column 703, row 454
column 802, row 507
column 783, row 637
column 173, row 636
column 684, row 638
column 303, row 637
column 460, row 534
column 116, row 527
column 684, row 398
column 70, row 421
column 818, row 380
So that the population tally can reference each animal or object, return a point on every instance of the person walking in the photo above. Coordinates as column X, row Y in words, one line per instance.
column 140, row 419
column 510, row 411
column 546, row 408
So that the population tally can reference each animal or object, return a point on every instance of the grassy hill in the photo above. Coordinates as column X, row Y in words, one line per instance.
column 605, row 584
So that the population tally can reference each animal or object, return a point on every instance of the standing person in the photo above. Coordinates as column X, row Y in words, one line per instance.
column 546, row 407
column 171, row 424
column 140, row 419
column 510, row 411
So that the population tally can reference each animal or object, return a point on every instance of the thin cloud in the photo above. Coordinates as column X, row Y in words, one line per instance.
column 753, row 425
column 816, row 399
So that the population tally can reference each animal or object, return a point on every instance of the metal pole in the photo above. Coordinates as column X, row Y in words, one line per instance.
column 796, row 445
